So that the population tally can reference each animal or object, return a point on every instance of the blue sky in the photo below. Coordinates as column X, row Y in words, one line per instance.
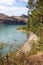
column 13, row 7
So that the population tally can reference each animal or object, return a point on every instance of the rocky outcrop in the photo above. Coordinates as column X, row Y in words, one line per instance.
column 4, row 19
column 21, row 18
column 24, row 16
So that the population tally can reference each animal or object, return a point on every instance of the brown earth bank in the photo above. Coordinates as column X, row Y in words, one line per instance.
column 12, row 59
column 15, row 20
column 36, row 59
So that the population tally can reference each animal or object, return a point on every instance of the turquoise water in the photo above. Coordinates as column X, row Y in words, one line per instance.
column 11, row 36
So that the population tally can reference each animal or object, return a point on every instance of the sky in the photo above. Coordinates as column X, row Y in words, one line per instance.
column 13, row 7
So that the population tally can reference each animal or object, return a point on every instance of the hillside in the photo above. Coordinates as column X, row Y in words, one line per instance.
column 22, row 17
column 15, row 20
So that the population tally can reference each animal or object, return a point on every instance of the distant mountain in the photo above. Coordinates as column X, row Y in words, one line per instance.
column 15, row 20
column 24, row 16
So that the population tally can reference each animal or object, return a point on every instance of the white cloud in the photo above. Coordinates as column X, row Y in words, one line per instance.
column 7, row 2
column 13, row 10
column 24, row 0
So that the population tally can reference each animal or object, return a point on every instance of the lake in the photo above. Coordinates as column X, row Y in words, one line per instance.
column 11, row 36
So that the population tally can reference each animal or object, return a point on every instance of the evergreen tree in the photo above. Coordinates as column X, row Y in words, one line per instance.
column 35, row 22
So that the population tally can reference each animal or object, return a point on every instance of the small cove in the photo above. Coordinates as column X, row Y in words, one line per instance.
column 12, row 37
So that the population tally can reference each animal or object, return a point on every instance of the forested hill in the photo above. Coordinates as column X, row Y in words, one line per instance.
column 15, row 20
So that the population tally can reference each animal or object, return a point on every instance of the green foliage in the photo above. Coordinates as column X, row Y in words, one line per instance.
column 36, row 48
column 22, row 27
column 35, row 22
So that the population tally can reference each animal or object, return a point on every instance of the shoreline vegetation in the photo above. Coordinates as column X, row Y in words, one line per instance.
column 26, row 53
column 2, row 45
column 22, row 29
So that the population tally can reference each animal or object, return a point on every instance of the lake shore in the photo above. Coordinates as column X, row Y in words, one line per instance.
column 26, row 55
